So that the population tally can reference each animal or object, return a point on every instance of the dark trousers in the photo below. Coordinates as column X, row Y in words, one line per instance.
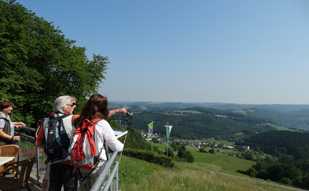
column 62, row 175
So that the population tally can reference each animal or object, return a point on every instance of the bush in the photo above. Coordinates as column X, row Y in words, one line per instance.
column 189, row 157
column 150, row 157
column 136, row 141
column 286, row 180
column 185, row 155
column 251, row 172
column 169, row 152
column 202, row 150
column 212, row 151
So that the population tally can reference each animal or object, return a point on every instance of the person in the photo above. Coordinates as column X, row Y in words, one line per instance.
column 62, row 174
column 7, row 127
column 96, row 110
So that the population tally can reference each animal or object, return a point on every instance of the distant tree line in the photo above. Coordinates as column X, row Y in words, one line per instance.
column 38, row 63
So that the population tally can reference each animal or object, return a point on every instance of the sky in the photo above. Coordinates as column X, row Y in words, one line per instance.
column 240, row 51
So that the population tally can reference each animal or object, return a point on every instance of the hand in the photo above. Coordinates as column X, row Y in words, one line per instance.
column 16, row 138
column 123, row 110
column 20, row 125
column 118, row 110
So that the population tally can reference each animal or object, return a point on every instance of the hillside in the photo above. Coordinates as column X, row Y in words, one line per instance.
column 209, row 172
column 199, row 123
column 289, row 163
column 293, row 144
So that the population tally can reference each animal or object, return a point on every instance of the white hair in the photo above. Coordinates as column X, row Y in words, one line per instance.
column 62, row 101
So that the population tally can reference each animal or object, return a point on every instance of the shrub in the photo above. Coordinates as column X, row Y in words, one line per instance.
column 185, row 155
column 212, row 151
column 169, row 152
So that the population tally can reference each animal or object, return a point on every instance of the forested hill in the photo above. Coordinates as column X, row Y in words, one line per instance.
column 279, row 143
column 288, row 116
column 197, row 122
column 290, row 161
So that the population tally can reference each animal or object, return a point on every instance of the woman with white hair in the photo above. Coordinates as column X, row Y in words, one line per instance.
column 59, row 174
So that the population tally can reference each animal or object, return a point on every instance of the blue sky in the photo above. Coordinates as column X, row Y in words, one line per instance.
column 240, row 51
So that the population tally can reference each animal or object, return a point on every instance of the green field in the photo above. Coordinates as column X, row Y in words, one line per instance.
column 213, row 172
column 219, row 162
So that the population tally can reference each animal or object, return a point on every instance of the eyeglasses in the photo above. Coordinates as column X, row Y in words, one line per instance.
column 72, row 105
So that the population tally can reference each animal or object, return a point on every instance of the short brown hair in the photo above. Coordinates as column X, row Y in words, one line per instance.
column 5, row 104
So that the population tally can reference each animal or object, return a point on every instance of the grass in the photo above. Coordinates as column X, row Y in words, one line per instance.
column 209, row 172
column 134, row 172
column 220, row 162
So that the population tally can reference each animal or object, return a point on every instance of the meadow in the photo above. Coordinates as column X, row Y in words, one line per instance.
column 213, row 172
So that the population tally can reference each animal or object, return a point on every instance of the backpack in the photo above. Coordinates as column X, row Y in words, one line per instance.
column 84, row 152
column 57, row 141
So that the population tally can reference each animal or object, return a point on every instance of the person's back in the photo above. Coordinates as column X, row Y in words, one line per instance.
column 95, row 112
column 54, row 132
column 57, row 136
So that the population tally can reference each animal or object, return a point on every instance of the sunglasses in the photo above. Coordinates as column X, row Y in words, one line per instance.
column 73, row 104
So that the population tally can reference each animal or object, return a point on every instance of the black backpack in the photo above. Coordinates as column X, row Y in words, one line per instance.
column 57, row 142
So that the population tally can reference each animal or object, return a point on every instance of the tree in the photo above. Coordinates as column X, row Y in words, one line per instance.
column 38, row 63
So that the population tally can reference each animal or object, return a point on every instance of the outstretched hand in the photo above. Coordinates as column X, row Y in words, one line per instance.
column 118, row 110
column 123, row 110
column 20, row 124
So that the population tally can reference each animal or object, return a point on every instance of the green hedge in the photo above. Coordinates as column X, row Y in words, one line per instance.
column 150, row 157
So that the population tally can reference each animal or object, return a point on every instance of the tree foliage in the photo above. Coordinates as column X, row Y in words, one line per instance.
column 291, row 162
column 38, row 63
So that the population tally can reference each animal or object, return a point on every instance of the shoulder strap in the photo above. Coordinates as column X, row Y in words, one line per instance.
column 62, row 116
column 3, row 118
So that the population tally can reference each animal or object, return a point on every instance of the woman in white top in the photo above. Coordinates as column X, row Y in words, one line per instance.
column 96, row 109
